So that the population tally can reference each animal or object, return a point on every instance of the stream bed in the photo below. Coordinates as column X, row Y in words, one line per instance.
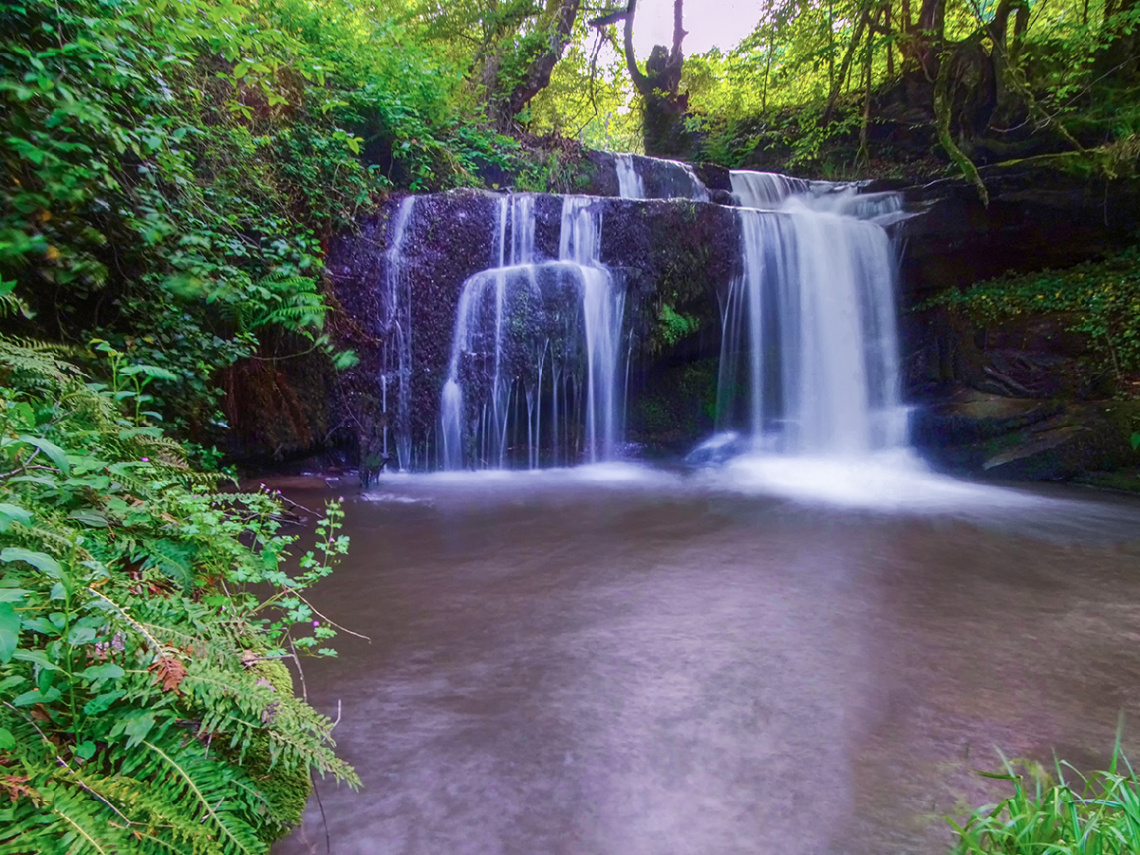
column 617, row 659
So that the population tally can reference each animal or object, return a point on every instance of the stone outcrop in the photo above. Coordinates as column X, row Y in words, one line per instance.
column 1037, row 218
column 1020, row 399
column 676, row 251
column 1007, row 401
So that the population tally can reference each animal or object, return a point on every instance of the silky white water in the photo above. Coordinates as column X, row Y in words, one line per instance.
column 630, row 183
column 396, row 333
column 642, row 177
column 532, row 378
column 540, row 366
column 809, row 360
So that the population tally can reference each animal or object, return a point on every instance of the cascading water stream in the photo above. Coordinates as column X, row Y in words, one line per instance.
column 396, row 333
column 642, row 177
column 630, row 183
column 765, row 191
column 809, row 360
column 533, row 335
column 539, row 371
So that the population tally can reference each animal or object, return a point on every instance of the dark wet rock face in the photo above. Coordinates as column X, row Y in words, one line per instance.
column 1036, row 219
column 662, row 179
column 1020, row 399
column 677, row 251
column 1024, row 439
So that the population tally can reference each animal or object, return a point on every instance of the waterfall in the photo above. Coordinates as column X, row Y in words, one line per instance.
column 642, row 177
column 770, row 191
column 630, row 184
column 396, row 333
column 809, row 359
column 542, row 361
column 534, row 335
column 765, row 191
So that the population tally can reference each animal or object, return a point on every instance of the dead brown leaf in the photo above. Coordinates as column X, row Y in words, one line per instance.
column 169, row 671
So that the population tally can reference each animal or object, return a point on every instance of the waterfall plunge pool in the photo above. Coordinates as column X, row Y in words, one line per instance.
column 809, row 647
column 621, row 659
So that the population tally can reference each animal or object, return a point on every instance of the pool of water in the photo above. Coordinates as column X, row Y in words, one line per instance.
column 765, row 658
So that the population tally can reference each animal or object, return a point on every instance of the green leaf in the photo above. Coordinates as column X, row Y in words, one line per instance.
column 85, row 749
column 36, row 657
column 58, row 455
column 44, row 563
column 7, row 740
column 11, row 682
column 35, row 696
column 1135, row 440
column 10, row 513
column 81, row 635
column 136, row 727
column 12, row 595
column 9, row 632
column 58, row 591
column 149, row 371
column 102, row 703
column 109, row 671
column 39, row 624
column 92, row 518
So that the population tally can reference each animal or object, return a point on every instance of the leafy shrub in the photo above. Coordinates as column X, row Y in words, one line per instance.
column 169, row 171
column 143, row 614
column 672, row 326
column 1102, row 299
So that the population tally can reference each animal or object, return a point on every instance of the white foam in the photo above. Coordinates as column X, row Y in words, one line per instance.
column 893, row 480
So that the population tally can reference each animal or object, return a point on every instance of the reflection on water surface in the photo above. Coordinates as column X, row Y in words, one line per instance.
column 757, row 659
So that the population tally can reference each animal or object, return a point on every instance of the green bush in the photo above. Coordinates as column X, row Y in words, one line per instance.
column 143, row 614
column 1101, row 299
column 170, row 171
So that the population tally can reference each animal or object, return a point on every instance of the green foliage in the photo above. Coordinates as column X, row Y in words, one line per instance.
column 170, row 169
column 1061, row 814
column 672, row 326
column 1101, row 299
column 139, row 609
column 589, row 96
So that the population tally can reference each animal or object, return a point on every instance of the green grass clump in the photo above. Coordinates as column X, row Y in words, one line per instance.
column 1058, row 814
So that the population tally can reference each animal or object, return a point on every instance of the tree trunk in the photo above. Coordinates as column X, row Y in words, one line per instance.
column 890, row 45
column 863, row 156
column 920, row 42
column 664, row 106
column 845, row 66
column 509, row 97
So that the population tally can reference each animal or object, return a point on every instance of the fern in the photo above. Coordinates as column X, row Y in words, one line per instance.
column 113, row 562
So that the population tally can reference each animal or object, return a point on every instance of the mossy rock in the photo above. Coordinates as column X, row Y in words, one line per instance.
column 285, row 790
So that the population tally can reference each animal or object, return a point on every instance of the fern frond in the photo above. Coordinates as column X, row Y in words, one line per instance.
column 83, row 828
column 203, row 793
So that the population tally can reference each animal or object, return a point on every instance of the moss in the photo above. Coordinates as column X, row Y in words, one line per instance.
column 1122, row 480
column 285, row 790
column 677, row 407
column 1097, row 299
